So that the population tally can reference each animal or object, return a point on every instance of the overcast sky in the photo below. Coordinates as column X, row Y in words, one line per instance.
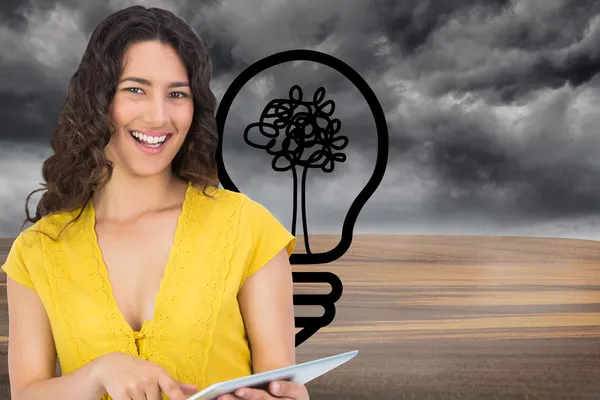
column 491, row 105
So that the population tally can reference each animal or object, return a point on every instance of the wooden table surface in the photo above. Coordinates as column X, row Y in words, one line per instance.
column 442, row 317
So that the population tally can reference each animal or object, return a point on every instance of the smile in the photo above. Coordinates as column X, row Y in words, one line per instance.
column 150, row 144
column 150, row 141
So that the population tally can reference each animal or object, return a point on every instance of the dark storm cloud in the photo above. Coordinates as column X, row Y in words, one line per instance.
column 491, row 105
column 29, row 117
column 410, row 24
column 552, row 27
column 516, row 50
column 540, row 164
column 10, row 14
column 469, row 163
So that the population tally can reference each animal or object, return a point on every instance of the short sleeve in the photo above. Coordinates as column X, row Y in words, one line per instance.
column 267, row 236
column 15, row 266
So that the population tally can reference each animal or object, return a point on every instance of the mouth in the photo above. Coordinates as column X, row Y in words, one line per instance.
column 150, row 142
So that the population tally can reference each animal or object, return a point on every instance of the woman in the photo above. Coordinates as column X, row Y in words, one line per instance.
column 145, row 278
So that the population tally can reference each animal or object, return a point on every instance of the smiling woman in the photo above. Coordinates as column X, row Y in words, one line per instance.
column 145, row 278
column 140, row 103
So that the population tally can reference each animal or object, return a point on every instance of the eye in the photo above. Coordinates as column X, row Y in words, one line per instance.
column 132, row 89
column 180, row 95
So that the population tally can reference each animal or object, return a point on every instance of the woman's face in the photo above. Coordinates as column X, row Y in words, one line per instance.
column 151, row 111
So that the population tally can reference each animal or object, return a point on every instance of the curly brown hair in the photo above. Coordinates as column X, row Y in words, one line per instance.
column 79, row 166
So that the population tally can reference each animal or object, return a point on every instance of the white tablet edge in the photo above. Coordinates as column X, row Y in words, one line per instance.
column 299, row 373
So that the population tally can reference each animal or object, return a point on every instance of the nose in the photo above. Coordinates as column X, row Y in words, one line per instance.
column 156, row 113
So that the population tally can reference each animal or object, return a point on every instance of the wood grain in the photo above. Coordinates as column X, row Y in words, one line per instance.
column 452, row 317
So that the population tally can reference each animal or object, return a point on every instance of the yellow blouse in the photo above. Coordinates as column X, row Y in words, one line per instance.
column 197, row 333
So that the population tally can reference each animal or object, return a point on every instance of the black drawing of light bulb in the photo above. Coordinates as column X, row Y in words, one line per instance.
column 301, row 135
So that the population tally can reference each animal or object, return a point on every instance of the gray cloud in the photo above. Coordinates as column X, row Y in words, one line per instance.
column 517, row 49
column 491, row 105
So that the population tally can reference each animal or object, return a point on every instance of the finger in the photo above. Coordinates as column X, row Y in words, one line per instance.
column 138, row 395
column 171, row 388
column 253, row 394
column 188, row 389
column 153, row 392
column 123, row 396
column 136, row 392
column 287, row 389
column 228, row 397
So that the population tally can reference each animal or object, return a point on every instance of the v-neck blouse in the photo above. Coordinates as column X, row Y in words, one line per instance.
column 197, row 332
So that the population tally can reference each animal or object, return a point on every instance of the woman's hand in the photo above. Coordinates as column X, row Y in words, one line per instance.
column 126, row 377
column 277, row 390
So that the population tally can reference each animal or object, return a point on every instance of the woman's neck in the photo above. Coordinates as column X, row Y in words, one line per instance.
column 126, row 197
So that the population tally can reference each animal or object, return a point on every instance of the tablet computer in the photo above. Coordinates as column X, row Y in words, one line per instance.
column 299, row 373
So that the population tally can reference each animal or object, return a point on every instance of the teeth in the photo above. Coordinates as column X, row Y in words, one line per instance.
column 151, row 140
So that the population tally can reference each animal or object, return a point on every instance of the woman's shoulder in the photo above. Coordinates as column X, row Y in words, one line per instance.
column 26, row 255
column 49, row 227
column 259, row 233
column 221, row 200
